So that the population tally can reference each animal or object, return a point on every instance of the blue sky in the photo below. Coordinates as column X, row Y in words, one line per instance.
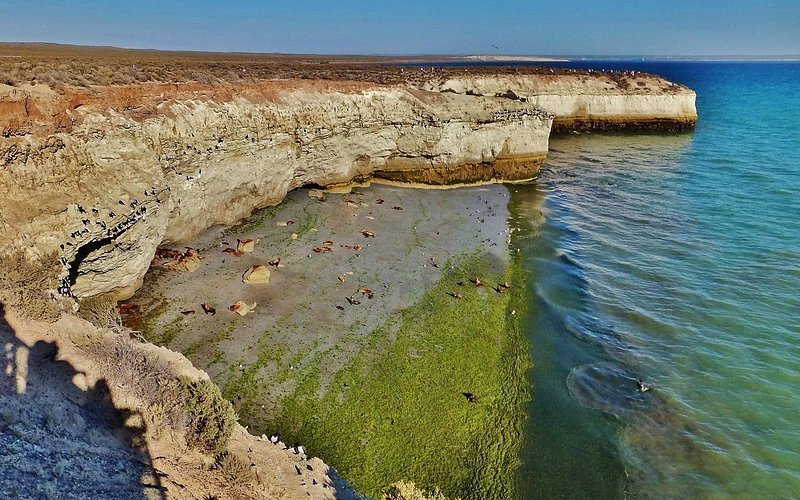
column 568, row 27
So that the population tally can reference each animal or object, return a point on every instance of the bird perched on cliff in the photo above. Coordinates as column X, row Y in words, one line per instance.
column 274, row 438
column 298, row 449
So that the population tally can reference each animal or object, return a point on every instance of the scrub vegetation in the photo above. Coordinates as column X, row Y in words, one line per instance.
column 24, row 285
column 62, row 66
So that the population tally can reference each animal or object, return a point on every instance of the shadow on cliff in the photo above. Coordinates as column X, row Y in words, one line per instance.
column 60, row 437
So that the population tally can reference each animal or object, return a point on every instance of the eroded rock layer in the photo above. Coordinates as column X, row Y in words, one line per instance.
column 630, row 101
column 95, row 179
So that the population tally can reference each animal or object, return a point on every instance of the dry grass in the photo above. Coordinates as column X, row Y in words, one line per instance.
column 194, row 408
column 99, row 310
column 233, row 469
column 64, row 65
column 24, row 285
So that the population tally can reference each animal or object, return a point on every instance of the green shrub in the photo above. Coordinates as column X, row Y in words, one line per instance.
column 210, row 417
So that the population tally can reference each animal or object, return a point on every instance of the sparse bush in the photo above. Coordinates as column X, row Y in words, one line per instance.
column 210, row 416
column 99, row 310
column 233, row 469
column 25, row 285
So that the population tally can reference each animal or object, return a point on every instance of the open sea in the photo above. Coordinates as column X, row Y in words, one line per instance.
column 674, row 259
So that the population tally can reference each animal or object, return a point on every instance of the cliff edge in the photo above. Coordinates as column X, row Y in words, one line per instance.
column 95, row 179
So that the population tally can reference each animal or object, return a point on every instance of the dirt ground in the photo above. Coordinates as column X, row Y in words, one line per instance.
column 60, row 65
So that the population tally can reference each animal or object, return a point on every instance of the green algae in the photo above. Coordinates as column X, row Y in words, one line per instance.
column 397, row 410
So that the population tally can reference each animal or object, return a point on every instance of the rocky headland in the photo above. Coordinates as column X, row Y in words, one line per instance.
column 96, row 177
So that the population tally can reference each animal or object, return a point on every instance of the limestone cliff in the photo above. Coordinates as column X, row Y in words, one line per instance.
column 100, row 177
column 110, row 176
column 628, row 101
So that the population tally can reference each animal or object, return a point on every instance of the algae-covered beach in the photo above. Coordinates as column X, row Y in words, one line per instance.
column 386, row 340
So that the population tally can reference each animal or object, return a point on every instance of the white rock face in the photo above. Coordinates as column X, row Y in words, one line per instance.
column 618, row 101
column 116, row 186
column 97, row 180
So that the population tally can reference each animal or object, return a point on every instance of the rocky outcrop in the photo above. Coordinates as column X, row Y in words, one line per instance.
column 99, row 178
column 628, row 101
column 120, row 174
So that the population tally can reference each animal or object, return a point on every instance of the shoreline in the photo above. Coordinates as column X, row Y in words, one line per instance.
column 293, row 355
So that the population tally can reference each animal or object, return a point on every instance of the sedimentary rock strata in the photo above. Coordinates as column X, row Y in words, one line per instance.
column 99, row 178
column 629, row 101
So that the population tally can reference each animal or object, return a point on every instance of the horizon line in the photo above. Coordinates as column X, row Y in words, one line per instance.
column 509, row 56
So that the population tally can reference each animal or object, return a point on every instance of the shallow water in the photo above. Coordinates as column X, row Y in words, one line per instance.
column 675, row 259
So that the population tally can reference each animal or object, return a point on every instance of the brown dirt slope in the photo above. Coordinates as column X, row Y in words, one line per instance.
column 91, row 413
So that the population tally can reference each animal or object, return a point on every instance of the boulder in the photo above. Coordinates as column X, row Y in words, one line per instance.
column 256, row 275
column 246, row 245
column 242, row 308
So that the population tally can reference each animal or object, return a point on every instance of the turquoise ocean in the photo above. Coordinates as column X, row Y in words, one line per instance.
column 674, row 259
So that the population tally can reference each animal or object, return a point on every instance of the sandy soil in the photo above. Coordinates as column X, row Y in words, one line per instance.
column 304, row 310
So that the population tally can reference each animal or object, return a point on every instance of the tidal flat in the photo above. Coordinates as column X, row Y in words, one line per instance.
column 386, row 341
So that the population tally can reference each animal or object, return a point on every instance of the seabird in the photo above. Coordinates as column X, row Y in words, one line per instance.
column 112, row 214
column 81, row 210
column 298, row 449
column 641, row 386
column 470, row 397
column 274, row 438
